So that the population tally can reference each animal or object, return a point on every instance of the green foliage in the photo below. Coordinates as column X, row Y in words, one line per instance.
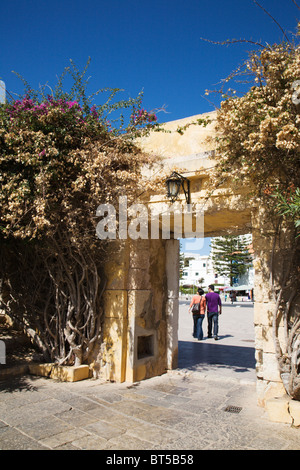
column 188, row 290
column 230, row 256
column 199, row 122
column 288, row 204
column 110, row 114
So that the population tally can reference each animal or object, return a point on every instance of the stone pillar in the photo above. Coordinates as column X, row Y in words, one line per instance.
column 111, row 361
column 140, row 310
column 172, row 308
column 146, row 310
column 276, row 259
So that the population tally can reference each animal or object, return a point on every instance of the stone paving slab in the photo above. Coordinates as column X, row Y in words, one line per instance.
column 177, row 411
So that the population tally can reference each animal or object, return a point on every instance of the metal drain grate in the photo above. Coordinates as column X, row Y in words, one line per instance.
column 233, row 409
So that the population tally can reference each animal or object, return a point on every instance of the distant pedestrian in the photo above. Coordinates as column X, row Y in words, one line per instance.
column 214, row 309
column 232, row 297
column 197, row 307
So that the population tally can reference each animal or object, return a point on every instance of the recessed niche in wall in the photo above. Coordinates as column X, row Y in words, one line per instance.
column 145, row 346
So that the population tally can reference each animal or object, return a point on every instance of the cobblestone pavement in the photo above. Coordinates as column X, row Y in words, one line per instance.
column 185, row 409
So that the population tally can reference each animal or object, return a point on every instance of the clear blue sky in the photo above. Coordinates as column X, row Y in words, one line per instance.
column 135, row 44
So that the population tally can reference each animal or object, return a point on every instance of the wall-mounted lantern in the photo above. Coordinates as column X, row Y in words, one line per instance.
column 174, row 183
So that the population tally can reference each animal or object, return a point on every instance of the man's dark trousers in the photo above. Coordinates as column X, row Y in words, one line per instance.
column 212, row 318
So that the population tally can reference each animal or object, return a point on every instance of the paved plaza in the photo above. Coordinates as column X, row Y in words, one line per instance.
column 208, row 403
column 233, row 355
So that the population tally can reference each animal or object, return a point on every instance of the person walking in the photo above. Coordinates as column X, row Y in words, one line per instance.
column 198, row 307
column 214, row 309
column 232, row 297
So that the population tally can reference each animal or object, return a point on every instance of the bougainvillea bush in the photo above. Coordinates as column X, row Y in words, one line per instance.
column 60, row 157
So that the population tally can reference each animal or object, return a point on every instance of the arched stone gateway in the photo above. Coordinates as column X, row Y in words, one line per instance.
column 141, row 298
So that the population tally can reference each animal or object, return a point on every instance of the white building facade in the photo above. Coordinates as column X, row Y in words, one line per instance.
column 199, row 272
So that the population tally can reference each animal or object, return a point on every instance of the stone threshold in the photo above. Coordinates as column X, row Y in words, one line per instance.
column 284, row 410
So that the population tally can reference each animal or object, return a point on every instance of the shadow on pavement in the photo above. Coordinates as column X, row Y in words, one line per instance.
column 203, row 356
column 19, row 382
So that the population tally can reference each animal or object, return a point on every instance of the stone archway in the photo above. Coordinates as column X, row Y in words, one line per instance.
column 141, row 298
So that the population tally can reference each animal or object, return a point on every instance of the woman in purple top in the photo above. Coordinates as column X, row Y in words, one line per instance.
column 214, row 309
